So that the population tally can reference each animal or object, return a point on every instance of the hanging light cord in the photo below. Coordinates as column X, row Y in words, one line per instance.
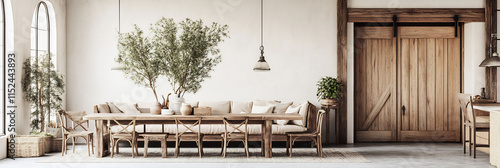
column 119, row 16
column 262, row 27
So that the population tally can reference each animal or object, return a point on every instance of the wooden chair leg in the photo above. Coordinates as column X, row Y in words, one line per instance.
column 287, row 144
column 176, row 152
column 224, row 152
column 88, row 144
column 470, row 141
column 463, row 138
column 92, row 139
column 291, row 146
column 320, row 146
column 73, row 144
column 246, row 148
column 200, row 148
column 64, row 141
column 222, row 146
column 113, row 146
column 117, row 148
column 475, row 143
column 136, row 146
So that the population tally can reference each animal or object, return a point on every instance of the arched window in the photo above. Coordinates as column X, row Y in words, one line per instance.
column 43, row 42
column 2, row 61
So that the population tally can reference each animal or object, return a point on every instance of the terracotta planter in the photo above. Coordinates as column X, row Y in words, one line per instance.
column 156, row 109
column 186, row 109
column 328, row 102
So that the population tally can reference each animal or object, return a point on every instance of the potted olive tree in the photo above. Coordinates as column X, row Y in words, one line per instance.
column 138, row 61
column 43, row 87
column 189, row 53
column 328, row 90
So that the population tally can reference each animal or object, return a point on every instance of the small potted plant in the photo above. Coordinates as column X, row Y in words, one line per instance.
column 328, row 90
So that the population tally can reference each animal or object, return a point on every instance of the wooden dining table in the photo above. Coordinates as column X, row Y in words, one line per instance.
column 265, row 119
column 494, row 111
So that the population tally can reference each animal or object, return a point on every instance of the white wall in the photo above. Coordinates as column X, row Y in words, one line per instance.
column 473, row 55
column 23, row 14
column 299, row 40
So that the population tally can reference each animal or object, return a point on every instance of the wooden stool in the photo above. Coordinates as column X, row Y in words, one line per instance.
column 155, row 137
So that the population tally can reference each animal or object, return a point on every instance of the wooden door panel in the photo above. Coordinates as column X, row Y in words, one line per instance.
column 432, row 68
column 375, row 102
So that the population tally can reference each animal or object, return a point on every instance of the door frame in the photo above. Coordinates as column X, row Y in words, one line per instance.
column 398, row 67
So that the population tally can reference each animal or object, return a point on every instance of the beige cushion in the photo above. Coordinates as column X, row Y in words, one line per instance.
column 218, row 107
column 279, row 108
column 262, row 109
column 254, row 129
column 127, row 108
column 113, row 108
column 103, row 108
column 303, row 112
column 264, row 102
column 289, row 110
column 239, row 107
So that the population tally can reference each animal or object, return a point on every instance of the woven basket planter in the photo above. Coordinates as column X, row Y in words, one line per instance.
column 28, row 146
column 47, row 144
column 57, row 145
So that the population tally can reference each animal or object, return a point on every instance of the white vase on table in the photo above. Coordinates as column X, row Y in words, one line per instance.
column 176, row 103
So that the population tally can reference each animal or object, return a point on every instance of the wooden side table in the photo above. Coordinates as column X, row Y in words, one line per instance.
column 327, row 108
column 155, row 137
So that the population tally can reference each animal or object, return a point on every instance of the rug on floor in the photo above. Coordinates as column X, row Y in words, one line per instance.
column 212, row 155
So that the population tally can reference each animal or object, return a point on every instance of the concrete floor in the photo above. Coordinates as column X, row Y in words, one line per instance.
column 381, row 155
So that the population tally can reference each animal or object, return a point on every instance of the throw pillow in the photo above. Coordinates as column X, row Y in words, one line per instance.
column 113, row 108
column 262, row 109
column 218, row 107
column 241, row 107
column 303, row 112
column 279, row 108
column 103, row 108
column 127, row 108
column 289, row 110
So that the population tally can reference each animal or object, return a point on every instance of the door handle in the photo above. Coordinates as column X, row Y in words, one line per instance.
column 403, row 109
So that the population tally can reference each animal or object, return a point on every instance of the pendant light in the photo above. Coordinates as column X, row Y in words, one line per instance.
column 261, row 65
column 119, row 31
column 493, row 60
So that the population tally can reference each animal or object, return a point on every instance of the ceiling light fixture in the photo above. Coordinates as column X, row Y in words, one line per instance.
column 119, row 31
column 261, row 65
column 493, row 60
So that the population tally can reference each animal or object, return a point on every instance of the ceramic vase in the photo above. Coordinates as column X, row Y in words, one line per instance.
column 175, row 103
column 186, row 109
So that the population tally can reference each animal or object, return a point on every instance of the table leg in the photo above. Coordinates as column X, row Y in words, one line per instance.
column 327, row 125
column 268, row 142
column 337, row 125
column 99, row 135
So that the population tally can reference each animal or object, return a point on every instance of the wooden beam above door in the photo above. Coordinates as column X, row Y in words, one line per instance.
column 415, row 14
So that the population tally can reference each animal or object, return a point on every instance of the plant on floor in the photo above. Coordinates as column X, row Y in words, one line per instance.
column 328, row 90
column 43, row 87
column 185, row 49
column 137, row 59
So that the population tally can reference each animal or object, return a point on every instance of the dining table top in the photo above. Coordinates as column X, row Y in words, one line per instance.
column 488, row 107
column 148, row 116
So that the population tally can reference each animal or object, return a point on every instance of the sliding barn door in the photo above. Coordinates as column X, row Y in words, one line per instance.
column 375, row 84
column 429, row 82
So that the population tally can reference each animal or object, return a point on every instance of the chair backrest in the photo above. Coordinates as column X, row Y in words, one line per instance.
column 464, row 100
column 235, row 125
column 319, row 121
column 471, row 115
column 184, row 125
column 125, row 129
column 75, row 116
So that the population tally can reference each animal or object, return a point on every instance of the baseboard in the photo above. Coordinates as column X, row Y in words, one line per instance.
column 3, row 146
